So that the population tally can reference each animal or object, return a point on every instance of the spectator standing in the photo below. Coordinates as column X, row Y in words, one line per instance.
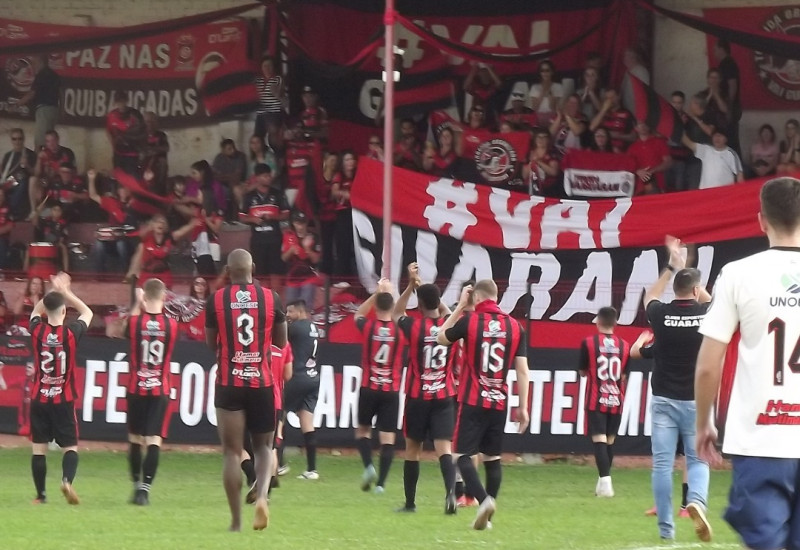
column 408, row 150
column 119, row 214
column 568, row 126
column 542, row 169
column 49, row 160
column 601, row 141
column 340, row 191
column 126, row 129
column 632, row 59
column 481, row 84
column 546, row 95
column 765, row 152
column 652, row 157
column 16, row 170
column 519, row 115
column 151, row 259
column 260, row 153
column 194, row 329
column 445, row 156
column 699, row 127
column 618, row 120
column 313, row 118
column 590, row 93
column 154, row 156
column 230, row 168
column 301, row 253
column 44, row 96
column 6, row 225
column 721, row 164
column 790, row 147
column 212, row 195
column 675, row 175
column 730, row 86
column 263, row 209
column 375, row 148
column 677, row 342
column 326, row 211
column 51, row 229
column 23, row 307
column 716, row 101
column 269, row 116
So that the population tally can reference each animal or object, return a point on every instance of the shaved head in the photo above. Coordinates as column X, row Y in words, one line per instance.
column 486, row 289
column 240, row 264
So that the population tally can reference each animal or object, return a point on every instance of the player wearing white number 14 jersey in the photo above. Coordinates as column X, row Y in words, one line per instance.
column 760, row 297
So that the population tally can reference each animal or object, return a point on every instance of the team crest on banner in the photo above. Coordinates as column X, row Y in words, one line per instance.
column 780, row 76
column 496, row 160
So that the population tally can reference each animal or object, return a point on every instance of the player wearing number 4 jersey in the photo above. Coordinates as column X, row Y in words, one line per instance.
column 381, row 364
column 493, row 342
column 758, row 297
column 604, row 363
column 54, row 390
column 430, row 388
column 153, row 337
column 242, row 320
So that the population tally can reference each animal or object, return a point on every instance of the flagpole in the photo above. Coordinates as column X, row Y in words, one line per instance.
column 388, row 136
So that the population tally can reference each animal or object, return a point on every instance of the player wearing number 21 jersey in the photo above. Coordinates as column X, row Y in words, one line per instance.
column 381, row 364
column 493, row 342
column 430, row 389
column 54, row 391
column 153, row 337
column 604, row 362
column 759, row 296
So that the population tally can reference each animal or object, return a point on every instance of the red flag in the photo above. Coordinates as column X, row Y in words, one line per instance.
column 655, row 111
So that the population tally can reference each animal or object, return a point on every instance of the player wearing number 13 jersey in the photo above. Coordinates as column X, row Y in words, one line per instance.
column 54, row 393
column 153, row 337
column 243, row 320
column 381, row 364
column 604, row 362
column 430, row 388
column 759, row 296
column 493, row 342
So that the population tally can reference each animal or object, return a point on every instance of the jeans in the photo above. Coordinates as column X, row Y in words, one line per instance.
column 111, row 256
column 672, row 417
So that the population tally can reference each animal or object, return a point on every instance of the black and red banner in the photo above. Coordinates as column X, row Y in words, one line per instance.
column 556, row 407
column 163, row 73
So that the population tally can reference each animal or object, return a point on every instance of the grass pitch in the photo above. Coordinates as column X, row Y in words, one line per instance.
column 548, row 506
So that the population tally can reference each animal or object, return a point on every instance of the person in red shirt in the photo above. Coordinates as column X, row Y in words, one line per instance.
column 48, row 161
column 54, row 392
column 150, row 258
column 23, row 307
column 519, row 115
column 617, row 120
column 313, row 118
column 300, row 252
column 112, row 242
column 194, row 329
column 407, row 151
column 153, row 335
column 481, row 84
column 445, row 157
column 128, row 134
column 154, row 157
column 340, row 191
column 542, row 169
column 652, row 157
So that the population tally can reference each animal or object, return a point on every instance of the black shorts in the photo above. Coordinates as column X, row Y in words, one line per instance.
column 147, row 415
column 56, row 421
column 600, row 423
column 479, row 430
column 266, row 250
column 383, row 404
column 300, row 395
column 429, row 419
column 258, row 405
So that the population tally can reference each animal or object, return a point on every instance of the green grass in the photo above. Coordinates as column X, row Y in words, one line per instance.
column 548, row 506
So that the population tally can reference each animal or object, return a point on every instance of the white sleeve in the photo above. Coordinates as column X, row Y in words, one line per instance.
column 737, row 163
column 700, row 150
column 536, row 90
column 722, row 319
column 558, row 90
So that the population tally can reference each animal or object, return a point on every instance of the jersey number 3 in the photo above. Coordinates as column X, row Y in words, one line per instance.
column 244, row 329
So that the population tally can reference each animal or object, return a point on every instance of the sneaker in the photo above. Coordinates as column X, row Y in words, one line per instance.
column 369, row 477
column 684, row 513
column 485, row 512
column 379, row 490
column 141, row 498
column 701, row 526
column 653, row 512
column 261, row 518
column 312, row 475
column 470, row 502
column 69, row 493
column 406, row 509
column 597, row 486
column 605, row 489
column 283, row 470
column 450, row 504
column 250, row 497
column 41, row 499
column 461, row 501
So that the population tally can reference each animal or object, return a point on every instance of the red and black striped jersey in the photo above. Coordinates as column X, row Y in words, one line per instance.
column 54, row 350
column 153, row 337
column 604, row 357
column 430, row 365
column 381, row 355
column 491, row 343
column 244, row 317
column 279, row 358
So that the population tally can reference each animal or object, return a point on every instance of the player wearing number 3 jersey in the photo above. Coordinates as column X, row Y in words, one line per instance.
column 381, row 363
column 493, row 342
column 54, row 390
column 604, row 363
column 430, row 389
column 153, row 337
column 758, row 297
column 243, row 320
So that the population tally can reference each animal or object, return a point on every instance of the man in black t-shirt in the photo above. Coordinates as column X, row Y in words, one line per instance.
column 730, row 86
column 301, row 392
column 43, row 97
column 677, row 341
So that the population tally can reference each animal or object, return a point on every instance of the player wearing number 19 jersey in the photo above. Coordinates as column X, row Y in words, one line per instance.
column 604, row 362
column 54, row 391
column 242, row 320
column 758, row 297
column 493, row 342
column 153, row 337
column 381, row 364
column 430, row 391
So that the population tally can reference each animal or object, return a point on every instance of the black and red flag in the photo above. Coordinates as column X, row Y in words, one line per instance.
column 655, row 111
column 230, row 90
column 426, row 87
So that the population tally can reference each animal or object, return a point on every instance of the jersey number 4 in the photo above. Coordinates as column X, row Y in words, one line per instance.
column 778, row 327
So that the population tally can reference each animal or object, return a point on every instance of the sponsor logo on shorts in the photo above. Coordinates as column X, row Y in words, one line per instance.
column 52, row 391
column 434, row 387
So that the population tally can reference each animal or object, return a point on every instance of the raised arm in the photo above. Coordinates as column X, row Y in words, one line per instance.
column 91, row 180
column 466, row 295
column 413, row 284
column 62, row 283
column 676, row 263
column 641, row 341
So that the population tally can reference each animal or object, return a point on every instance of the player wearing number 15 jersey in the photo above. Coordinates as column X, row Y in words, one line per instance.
column 54, row 392
column 242, row 320
column 153, row 337
column 381, row 364
column 430, row 389
column 758, row 297
column 493, row 342
column 604, row 362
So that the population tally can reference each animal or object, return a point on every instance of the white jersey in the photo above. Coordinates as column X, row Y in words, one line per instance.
column 760, row 296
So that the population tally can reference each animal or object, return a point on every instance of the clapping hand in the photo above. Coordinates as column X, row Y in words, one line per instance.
column 675, row 250
column 413, row 275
